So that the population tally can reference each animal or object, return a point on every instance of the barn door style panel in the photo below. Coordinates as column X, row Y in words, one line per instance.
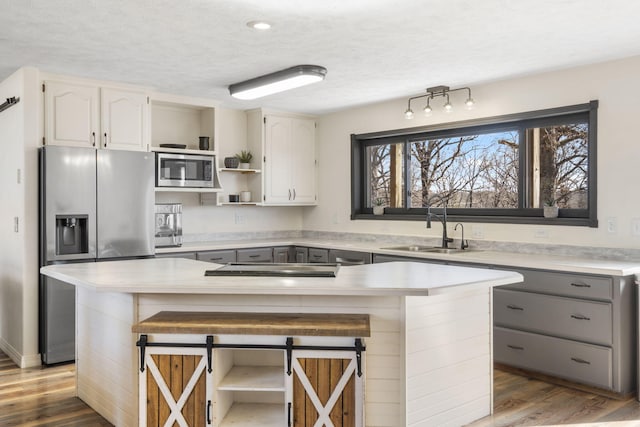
column 325, row 389
column 175, row 388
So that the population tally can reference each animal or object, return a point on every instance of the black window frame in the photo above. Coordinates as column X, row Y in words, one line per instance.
column 573, row 217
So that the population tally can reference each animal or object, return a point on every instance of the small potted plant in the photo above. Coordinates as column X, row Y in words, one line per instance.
column 378, row 206
column 550, row 209
column 244, row 157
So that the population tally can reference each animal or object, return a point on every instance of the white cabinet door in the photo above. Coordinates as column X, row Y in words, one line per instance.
column 290, row 172
column 71, row 114
column 278, row 160
column 303, row 161
column 124, row 120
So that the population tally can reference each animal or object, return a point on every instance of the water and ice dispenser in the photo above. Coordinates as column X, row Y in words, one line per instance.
column 72, row 234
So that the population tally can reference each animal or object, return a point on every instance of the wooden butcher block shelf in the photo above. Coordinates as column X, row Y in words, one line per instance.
column 221, row 323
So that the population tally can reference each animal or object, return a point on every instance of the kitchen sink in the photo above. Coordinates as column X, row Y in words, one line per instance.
column 428, row 249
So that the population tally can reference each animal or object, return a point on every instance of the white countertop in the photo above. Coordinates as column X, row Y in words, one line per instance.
column 183, row 276
column 506, row 259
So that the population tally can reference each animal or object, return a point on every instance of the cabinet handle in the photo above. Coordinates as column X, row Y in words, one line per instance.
column 515, row 347
column 580, row 317
column 582, row 361
column 254, row 256
column 514, row 307
column 289, row 414
column 294, row 194
column 289, row 194
column 208, row 412
column 105, row 139
column 580, row 285
column 93, row 138
column 215, row 259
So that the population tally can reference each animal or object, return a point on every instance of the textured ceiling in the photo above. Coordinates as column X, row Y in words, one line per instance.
column 374, row 50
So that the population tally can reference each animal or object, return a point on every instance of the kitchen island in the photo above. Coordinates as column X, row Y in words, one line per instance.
column 428, row 357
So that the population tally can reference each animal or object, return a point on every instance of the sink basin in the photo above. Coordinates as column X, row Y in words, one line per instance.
column 431, row 249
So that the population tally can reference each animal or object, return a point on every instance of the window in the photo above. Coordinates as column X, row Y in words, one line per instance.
column 502, row 169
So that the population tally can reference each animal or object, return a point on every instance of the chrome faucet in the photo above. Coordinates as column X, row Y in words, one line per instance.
column 443, row 219
column 464, row 244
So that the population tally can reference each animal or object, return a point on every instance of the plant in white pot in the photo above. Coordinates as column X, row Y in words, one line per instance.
column 550, row 209
column 378, row 206
column 244, row 157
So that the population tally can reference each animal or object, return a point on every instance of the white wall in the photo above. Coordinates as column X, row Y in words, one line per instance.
column 615, row 84
column 19, row 250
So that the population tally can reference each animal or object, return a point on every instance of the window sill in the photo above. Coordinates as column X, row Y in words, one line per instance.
column 537, row 220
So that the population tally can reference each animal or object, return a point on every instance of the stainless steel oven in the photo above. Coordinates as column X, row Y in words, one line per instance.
column 184, row 170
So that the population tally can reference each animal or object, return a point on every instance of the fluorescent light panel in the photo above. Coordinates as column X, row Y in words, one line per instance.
column 290, row 78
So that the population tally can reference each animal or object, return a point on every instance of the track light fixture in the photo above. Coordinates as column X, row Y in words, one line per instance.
column 282, row 80
column 436, row 91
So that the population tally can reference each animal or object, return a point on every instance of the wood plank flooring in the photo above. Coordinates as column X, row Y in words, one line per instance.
column 522, row 401
column 42, row 397
column 45, row 397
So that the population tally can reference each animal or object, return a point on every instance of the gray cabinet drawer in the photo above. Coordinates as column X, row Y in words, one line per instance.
column 349, row 257
column 567, row 284
column 318, row 255
column 187, row 255
column 255, row 255
column 219, row 257
column 585, row 363
column 589, row 321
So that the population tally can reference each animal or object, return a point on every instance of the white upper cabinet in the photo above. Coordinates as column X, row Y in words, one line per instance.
column 71, row 114
column 289, row 161
column 124, row 120
column 88, row 116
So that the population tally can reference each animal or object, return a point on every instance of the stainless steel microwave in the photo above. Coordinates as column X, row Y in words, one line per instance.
column 184, row 170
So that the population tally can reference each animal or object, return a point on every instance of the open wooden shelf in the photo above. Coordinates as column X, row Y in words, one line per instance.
column 253, row 378
column 255, row 414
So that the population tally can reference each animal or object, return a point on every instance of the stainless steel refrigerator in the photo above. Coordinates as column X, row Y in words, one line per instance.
column 95, row 205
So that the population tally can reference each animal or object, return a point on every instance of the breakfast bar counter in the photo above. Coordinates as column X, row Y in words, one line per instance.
column 428, row 356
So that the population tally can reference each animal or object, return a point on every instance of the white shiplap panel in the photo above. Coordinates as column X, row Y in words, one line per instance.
column 448, row 362
column 106, row 361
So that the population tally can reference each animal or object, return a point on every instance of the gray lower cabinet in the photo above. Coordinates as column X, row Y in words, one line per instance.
column 255, row 255
column 343, row 257
column 219, row 257
column 300, row 254
column 318, row 255
column 378, row 258
column 575, row 326
column 281, row 254
column 187, row 255
column 573, row 360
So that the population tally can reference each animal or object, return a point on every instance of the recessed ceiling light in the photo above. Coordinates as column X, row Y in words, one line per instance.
column 259, row 25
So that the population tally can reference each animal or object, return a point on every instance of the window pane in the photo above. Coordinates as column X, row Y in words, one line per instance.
column 385, row 174
column 470, row 171
column 563, row 165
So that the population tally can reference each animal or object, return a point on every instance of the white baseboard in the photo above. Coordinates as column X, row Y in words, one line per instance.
column 22, row 361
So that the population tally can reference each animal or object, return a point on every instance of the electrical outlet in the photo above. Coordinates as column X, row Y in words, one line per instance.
column 477, row 232
column 612, row 225
column 541, row 233
column 239, row 218
column 635, row 226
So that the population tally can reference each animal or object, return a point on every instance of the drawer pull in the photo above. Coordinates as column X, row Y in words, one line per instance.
column 578, row 360
column 580, row 317
column 254, row 256
column 580, row 285
column 215, row 259
column 514, row 307
column 515, row 347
